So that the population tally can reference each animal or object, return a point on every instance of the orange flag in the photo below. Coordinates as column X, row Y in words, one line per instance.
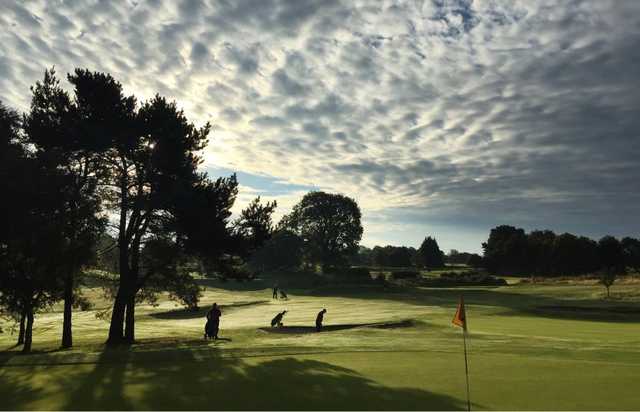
column 461, row 318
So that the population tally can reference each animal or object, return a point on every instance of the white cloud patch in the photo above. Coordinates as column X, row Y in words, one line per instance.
column 462, row 113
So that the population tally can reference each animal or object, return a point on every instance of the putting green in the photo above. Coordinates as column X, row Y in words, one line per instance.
column 554, row 346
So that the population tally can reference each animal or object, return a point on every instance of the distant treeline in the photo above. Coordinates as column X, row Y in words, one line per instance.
column 510, row 250
column 428, row 255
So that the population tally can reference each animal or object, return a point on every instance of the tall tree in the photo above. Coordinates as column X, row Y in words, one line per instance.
column 539, row 252
column 566, row 254
column 283, row 251
column 52, row 128
column 393, row 256
column 611, row 256
column 151, row 153
column 255, row 225
column 330, row 226
column 505, row 250
column 364, row 257
column 107, row 118
column 32, row 240
column 429, row 254
column 11, row 159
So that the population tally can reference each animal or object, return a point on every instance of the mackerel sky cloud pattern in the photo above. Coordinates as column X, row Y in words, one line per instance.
column 439, row 117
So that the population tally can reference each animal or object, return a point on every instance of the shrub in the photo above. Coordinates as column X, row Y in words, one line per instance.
column 238, row 273
column 357, row 273
column 381, row 280
column 473, row 278
column 405, row 274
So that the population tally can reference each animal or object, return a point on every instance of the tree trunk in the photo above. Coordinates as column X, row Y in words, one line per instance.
column 28, row 333
column 117, row 317
column 67, row 338
column 116, row 336
column 134, row 272
column 23, row 319
column 129, row 329
column 116, row 327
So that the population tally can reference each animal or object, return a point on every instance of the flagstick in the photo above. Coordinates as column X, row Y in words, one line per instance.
column 466, row 367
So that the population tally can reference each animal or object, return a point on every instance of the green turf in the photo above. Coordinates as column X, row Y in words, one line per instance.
column 549, row 346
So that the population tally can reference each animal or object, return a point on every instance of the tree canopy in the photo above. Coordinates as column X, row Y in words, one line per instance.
column 100, row 152
column 511, row 250
column 429, row 254
column 329, row 224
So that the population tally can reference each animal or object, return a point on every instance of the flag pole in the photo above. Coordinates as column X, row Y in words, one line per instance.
column 466, row 367
column 460, row 319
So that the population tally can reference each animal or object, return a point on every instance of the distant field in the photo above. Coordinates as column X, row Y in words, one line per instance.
column 532, row 346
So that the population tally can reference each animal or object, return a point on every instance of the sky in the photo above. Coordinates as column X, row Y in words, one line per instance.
column 441, row 118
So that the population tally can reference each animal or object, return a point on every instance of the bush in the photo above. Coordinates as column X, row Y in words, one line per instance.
column 238, row 273
column 357, row 273
column 449, row 279
column 405, row 274
column 381, row 280
column 347, row 274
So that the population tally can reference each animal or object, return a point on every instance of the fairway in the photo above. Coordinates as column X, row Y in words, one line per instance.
column 530, row 347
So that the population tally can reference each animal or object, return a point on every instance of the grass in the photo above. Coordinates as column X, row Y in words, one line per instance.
column 531, row 346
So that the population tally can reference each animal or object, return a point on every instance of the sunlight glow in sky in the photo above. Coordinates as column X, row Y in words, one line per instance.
column 439, row 117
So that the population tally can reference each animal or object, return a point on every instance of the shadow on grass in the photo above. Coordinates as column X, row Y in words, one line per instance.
column 16, row 391
column 201, row 312
column 234, row 285
column 104, row 387
column 217, row 383
column 182, row 381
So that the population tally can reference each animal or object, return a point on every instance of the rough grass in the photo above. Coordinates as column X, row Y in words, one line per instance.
column 531, row 346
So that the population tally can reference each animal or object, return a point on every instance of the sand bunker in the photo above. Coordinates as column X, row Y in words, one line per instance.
column 331, row 328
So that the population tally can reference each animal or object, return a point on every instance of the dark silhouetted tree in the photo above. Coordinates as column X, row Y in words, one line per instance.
column 566, row 254
column 364, row 257
column 32, row 222
column 330, row 226
column 475, row 261
column 505, row 250
column 283, row 251
column 255, row 225
column 429, row 254
column 52, row 127
column 151, row 156
column 611, row 256
column 393, row 256
column 539, row 252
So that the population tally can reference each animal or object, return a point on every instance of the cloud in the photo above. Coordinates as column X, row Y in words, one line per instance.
column 460, row 114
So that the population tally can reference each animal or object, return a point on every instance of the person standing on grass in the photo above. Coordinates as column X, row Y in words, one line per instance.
column 275, row 291
column 319, row 319
column 213, row 319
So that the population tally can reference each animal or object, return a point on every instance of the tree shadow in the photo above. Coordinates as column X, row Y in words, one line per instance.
column 234, row 285
column 104, row 387
column 122, row 379
column 280, row 384
column 16, row 390
column 185, row 313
